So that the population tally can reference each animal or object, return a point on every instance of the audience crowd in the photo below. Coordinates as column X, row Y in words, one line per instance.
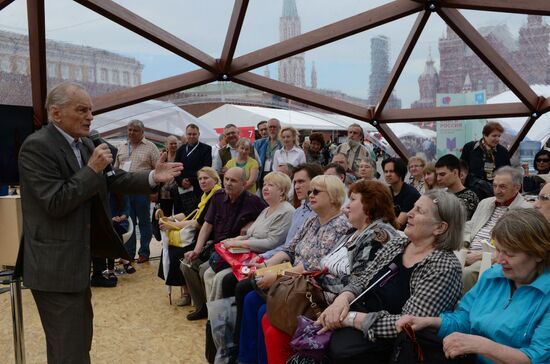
column 352, row 218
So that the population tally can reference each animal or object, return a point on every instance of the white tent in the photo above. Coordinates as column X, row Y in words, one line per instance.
column 249, row 116
column 405, row 129
column 541, row 130
column 156, row 115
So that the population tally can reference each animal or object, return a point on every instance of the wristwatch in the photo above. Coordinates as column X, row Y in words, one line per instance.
column 350, row 318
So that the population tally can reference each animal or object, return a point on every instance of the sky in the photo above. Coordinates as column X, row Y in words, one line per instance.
column 343, row 65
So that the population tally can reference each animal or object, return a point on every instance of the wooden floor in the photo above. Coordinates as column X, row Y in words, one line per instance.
column 133, row 323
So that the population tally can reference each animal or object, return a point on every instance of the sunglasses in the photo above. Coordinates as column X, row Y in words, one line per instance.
column 314, row 192
column 542, row 160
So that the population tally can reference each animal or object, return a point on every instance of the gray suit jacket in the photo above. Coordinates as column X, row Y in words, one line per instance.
column 66, row 219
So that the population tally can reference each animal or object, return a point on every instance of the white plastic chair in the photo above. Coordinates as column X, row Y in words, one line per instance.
column 486, row 262
column 126, row 236
column 461, row 255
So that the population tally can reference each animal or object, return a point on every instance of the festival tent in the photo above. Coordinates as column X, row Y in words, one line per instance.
column 410, row 130
column 246, row 118
column 540, row 131
column 160, row 119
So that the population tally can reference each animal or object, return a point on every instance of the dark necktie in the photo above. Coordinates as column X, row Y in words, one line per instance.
column 83, row 152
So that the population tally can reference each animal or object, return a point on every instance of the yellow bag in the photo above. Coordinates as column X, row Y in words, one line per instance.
column 179, row 237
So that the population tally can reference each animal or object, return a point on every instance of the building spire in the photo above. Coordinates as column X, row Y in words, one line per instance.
column 313, row 76
column 467, row 84
column 289, row 9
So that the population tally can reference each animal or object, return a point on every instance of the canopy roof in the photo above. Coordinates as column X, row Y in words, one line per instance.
column 249, row 116
column 160, row 116
column 243, row 53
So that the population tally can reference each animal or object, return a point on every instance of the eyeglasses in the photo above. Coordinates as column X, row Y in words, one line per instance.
column 542, row 160
column 545, row 197
column 314, row 192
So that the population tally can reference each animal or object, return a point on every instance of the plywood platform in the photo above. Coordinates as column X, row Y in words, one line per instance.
column 133, row 324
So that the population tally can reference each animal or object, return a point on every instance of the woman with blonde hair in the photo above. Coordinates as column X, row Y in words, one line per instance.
column 290, row 152
column 317, row 237
column 505, row 318
column 173, row 249
column 416, row 169
column 430, row 179
column 246, row 162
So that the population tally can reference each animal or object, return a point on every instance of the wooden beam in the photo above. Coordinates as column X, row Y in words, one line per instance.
column 4, row 3
column 487, row 54
column 37, row 55
column 545, row 106
column 394, row 141
column 522, row 133
column 406, row 51
column 302, row 95
column 537, row 7
column 233, row 32
column 527, row 126
column 150, row 31
column 118, row 99
column 454, row 113
column 327, row 34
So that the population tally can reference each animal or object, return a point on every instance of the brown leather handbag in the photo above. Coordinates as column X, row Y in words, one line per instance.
column 293, row 295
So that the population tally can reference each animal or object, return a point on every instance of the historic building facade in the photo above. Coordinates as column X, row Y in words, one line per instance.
column 69, row 62
column 461, row 70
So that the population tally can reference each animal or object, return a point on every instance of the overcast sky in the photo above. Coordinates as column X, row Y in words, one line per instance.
column 343, row 65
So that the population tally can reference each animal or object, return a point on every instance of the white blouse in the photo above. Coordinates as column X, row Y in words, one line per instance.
column 294, row 156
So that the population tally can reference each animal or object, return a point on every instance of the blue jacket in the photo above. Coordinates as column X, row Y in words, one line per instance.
column 522, row 322
column 261, row 148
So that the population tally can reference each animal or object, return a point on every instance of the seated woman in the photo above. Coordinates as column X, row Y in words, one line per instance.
column 246, row 162
column 505, row 318
column 169, row 270
column 367, row 169
column 541, row 164
column 430, row 179
column 317, row 237
column 428, row 279
column 268, row 231
column 371, row 213
column 103, row 272
column 416, row 169
column 317, row 151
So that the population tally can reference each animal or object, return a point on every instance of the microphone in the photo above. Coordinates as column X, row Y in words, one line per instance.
column 392, row 270
column 96, row 139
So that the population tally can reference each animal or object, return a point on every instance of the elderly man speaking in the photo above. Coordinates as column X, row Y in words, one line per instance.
column 66, row 219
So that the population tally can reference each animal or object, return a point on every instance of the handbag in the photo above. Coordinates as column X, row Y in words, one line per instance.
column 182, row 237
column 293, row 295
column 237, row 261
column 423, row 346
column 177, row 237
column 306, row 342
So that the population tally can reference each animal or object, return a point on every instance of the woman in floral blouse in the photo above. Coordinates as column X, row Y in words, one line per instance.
column 317, row 236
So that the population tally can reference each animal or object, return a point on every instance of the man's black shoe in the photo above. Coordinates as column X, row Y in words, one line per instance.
column 101, row 281
column 199, row 314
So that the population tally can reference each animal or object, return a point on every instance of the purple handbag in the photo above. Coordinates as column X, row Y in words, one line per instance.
column 307, row 342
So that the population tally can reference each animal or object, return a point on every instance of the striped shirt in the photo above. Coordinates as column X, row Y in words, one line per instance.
column 484, row 234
